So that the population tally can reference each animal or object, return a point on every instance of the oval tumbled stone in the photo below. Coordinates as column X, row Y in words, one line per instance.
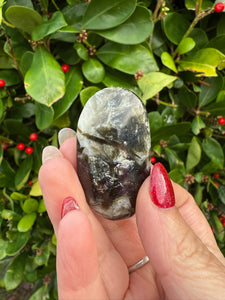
column 113, row 154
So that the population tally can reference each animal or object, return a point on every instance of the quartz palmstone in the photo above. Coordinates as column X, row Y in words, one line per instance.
column 113, row 152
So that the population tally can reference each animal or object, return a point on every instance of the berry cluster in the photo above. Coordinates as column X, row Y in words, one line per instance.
column 21, row 146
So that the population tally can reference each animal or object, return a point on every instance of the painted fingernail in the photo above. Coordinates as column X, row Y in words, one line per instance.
column 65, row 134
column 50, row 152
column 161, row 189
column 69, row 203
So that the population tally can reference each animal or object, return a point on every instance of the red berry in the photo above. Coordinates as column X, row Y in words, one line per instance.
column 29, row 150
column 2, row 83
column 221, row 121
column 221, row 218
column 216, row 175
column 20, row 146
column 153, row 159
column 65, row 68
column 216, row 184
column 223, row 222
column 33, row 136
column 30, row 182
column 5, row 145
column 219, row 7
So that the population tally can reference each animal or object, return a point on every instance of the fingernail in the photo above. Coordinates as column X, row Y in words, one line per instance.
column 65, row 134
column 161, row 189
column 50, row 152
column 69, row 203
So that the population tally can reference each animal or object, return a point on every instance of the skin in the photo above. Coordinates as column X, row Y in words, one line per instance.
column 93, row 253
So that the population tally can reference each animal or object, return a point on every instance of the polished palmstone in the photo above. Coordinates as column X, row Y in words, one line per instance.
column 113, row 151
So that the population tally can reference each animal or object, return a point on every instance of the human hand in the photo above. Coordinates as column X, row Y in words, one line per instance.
column 93, row 254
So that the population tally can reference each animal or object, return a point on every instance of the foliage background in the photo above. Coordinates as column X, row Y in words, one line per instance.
column 170, row 53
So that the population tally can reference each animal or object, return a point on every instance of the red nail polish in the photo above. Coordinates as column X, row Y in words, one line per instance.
column 69, row 203
column 161, row 189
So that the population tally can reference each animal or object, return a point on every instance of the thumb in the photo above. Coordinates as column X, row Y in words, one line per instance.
column 185, row 268
column 77, row 262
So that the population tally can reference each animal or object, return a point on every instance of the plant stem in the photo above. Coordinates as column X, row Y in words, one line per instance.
column 200, row 16
column 7, row 23
column 159, row 4
column 56, row 6
column 13, row 56
column 158, row 101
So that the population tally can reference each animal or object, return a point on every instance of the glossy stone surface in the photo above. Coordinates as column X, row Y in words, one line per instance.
column 113, row 151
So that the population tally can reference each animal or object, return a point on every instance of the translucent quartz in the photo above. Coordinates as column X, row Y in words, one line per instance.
column 113, row 151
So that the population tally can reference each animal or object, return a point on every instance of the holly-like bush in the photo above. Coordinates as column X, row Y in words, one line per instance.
column 54, row 55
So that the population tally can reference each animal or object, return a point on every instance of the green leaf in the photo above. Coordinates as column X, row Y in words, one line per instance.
column 26, row 222
column 134, row 31
column 11, row 77
column 42, row 259
column 86, row 93
column 194, row 154
column 168, row 61
column 165, row 132
column 23, row 172
column 41, row 207
column 7, row 174
column 152, row 83
column 41, row 293
column 216, row 108
column 174, row 160
column 117, row 78
column 186, row 45
column 18, row 196
column 24, row 18
column 214, row 151
column 93, row 70
column 43, row 115
column 218, row 227
column 221, row 193
column 82, row 51
column 218, row 42
column 204, row 62
column 14, row 275
column 26, row 61
column 67, row 53
column 3, row 245
column 128, row 59
column 197, row 125
column 198, row 196
column 73, row 14
column 36, row 190
column 56, row 22
column 17, row 242
column 192, row 4
column 155, row 121
column 177, row 176
column 104, row 14
column 45, row 80
column 30, row 205
column 7, row 214
column 175, row 26
column 209, row 92
column 74, row 83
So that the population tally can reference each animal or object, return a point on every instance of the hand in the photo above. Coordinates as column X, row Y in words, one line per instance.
column 93, row 254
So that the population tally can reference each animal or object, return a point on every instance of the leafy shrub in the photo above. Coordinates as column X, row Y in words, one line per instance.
column 54, row 56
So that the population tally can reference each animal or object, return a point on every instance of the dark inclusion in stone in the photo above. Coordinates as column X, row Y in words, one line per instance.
column 113, row 151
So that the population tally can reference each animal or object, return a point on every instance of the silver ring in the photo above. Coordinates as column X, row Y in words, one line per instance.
column 138, row 265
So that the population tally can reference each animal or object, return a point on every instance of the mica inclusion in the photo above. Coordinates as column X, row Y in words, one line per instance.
column 113, row 152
